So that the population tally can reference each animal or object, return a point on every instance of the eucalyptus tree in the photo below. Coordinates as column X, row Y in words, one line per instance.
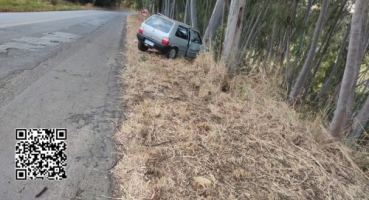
column 233, row 30
column 310, row 57
column 338, row 63
column 343, row 111
column 360, row 121
column 193, row 14
column 214, row 21
column 186, row 12
column 337, row 15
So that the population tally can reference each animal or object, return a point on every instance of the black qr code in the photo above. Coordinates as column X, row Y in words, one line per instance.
column 40, row 154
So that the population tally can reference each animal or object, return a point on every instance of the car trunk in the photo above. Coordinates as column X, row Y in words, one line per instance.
column 156, row 28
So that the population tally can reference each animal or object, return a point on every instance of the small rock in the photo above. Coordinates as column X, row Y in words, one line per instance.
column 201, row 182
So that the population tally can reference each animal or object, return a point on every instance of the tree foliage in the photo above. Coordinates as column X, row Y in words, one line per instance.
column 101, row 3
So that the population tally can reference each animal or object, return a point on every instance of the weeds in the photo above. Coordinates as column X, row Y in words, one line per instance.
column 36, row 5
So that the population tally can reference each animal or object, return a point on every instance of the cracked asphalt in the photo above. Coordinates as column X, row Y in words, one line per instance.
column 60, row 70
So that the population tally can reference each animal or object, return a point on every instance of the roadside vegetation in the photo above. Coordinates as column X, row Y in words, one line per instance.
column 317, row 49
column 38, row 5
column 193, row 132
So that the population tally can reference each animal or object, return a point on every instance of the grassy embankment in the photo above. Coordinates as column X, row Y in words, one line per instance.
column 193, row 133
column 37, row 5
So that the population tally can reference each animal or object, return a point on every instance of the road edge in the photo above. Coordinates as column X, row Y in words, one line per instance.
column 120, row 66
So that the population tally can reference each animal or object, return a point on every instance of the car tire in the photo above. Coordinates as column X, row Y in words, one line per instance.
column 171, row 53
column 142, row 47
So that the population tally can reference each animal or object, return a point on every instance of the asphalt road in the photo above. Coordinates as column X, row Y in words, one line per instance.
column 59, row 70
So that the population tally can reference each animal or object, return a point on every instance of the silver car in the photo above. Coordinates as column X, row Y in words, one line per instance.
column 168, row 36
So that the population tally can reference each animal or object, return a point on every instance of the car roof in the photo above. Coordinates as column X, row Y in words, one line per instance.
column 175, row 21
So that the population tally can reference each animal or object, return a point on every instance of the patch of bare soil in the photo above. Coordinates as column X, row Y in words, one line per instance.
column 194, row 133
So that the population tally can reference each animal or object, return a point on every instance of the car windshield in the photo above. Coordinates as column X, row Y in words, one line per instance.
column 160, row 23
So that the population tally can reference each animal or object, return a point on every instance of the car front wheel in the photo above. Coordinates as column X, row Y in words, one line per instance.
column 171, row 53
column 142, row 47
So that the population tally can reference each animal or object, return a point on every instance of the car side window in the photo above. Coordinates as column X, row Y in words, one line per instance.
column 182, row 32
column 195, row 37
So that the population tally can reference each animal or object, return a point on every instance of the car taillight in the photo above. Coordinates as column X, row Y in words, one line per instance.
column 165, row 41
column 141, row 30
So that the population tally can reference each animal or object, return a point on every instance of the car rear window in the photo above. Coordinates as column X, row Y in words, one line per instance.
column 160, row 23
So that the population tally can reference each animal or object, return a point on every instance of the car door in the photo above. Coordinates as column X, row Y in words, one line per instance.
column 181, row 40
column 195, row 44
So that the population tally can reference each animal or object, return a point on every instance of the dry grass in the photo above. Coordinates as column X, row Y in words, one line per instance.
column 37, row 5
column 193, row 133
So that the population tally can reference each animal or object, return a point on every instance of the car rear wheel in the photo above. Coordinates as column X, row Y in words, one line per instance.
column 171, row 53
column 142, row 47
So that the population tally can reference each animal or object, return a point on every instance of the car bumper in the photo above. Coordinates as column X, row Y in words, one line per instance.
column 158, row 46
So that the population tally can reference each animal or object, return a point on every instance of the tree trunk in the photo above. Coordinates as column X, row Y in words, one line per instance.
column 167, row 8
column 160, row 6
column 310, row 57
column 267, row 61
column 335, row 68
column 172, row 9
column 362, row 117
column 360, row 57
column 233, row 30
column 193, row 14
column 364, row 30
column 323, row 51
column 153, row 11
column 360, row 122
column 344, row 105
column 187, row 8
column 214, row 21
column 254, row 27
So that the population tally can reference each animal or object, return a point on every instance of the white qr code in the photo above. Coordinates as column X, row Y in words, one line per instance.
column 40, row 154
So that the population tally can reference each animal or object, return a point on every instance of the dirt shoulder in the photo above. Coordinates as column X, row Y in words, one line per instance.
column 193, row 133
